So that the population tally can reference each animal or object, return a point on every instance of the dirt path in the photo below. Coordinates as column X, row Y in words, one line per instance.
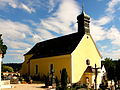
column 26, row 87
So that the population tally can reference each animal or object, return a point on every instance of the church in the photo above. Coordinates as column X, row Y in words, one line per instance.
column 76, row 52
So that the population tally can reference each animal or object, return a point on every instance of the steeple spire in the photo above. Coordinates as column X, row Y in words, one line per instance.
column 82, row 5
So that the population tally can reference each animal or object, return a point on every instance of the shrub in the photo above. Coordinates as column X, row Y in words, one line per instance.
column 64, row 79
column 36, row 77
column 7, row 68
column 46, row 80
column 78, row 86
column 57, row 83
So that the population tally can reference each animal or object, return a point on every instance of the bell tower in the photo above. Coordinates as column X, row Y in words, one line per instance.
column 83, row 21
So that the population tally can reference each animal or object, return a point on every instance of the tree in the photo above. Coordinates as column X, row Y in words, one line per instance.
column 64, row 79
column 111, row 73
column 108, row 64
column 7, row 68
column 3, row 47
column 118, row 71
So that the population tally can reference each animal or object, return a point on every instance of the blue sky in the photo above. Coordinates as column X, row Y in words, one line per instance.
column 23, row 23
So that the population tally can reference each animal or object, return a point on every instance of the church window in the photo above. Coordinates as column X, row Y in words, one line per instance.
column 51, row 68
column 36, row 69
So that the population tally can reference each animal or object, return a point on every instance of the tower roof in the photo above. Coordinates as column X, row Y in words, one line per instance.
column 83, row 15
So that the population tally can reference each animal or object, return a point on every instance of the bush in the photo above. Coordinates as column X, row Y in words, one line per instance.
column 57, row 84
column 77, row 86
column 7, row 68
column 46, row 80
column 36, row 77
column 64, row 79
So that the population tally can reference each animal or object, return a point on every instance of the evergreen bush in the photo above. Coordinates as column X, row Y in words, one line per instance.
column 46, row 80
column 57, row 83
column 64, row 79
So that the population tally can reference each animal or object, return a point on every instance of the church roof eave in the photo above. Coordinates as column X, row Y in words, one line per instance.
column 96, row 47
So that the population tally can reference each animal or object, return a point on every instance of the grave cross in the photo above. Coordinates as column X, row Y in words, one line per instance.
column 96, row 73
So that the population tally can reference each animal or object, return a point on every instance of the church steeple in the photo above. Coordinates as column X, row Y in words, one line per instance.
column 83, row 23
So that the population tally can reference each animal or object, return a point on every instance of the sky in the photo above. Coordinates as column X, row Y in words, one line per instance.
column 23, row 23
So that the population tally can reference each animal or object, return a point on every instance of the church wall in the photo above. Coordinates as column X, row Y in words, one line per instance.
column 24, row 68
column 85, row 50
column 59, row 62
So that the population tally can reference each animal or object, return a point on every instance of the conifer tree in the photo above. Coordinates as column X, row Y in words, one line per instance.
column 64, row 79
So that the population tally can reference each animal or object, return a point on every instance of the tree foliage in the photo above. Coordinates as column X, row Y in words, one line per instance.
column 113, row 70
column 110, row 68
column 118, row 69
column 7, row 68
column 3, row 47
column 108, row 63
column 111, row 73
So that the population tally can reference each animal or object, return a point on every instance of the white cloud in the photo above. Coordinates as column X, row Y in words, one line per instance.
column 44, row 34
column 31, row 22
column 15, row 4
column 38, row 4
column 18, row 51
column 111, row 6
column 104, row 47
column 13, row 58
column 56, row 25
column 68, row 11
column 51, row 5
column 25, row 7
column 98, row 32
column 36, row 38
column 29, row 5
column 103, row 20
column 12, row 3
column 17, row 44
column 13, row 30
column 115, row 54
column 61, row 20
column 14, row 33
column 114, row 35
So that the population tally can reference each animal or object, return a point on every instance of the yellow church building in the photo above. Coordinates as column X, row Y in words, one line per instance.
column 76, row 52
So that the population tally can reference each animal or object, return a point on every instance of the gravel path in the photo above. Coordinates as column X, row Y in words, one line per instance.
column 26, row 87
